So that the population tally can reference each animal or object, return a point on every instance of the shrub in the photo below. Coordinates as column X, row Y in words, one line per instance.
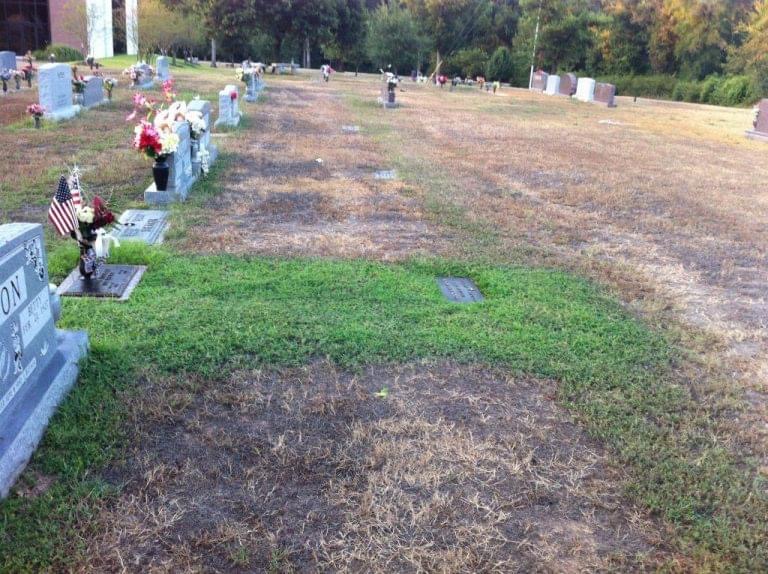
column 708, row 89
column 500, row 66
column 467, row 63
column 686, row 91
column 736, row 91
column 62, row 53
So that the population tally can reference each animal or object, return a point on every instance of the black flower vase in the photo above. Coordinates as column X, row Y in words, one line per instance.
column 5, row 86
column 37, row 122
column 87, row 264
column 18, row 82
column 29, row 80
column 160, row 172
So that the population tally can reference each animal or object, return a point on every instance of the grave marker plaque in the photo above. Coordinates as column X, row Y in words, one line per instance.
column 109, row 281
column 144, row 225
column 38, row 364
column 459, row 290
column 385, row 174
column 55, row 91
column 350, row 129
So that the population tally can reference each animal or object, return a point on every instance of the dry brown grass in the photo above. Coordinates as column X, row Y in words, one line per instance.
column 457, row 469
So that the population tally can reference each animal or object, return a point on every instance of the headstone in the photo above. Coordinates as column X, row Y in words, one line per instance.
column 760, row 124
column 229, row 112
column 459, row 290
column 539, row 82
column 181, row 176
column 7, row 60
column 107, row 282
column 55, row 90
column 585, row 90
column 553, row 85
column 163, row 68
column 568, row 84
column 387, row 97
column 38, row 363
column 204, row 107
column 144, row 225
column 605, row 94
column 94, row 92
column 145, row 81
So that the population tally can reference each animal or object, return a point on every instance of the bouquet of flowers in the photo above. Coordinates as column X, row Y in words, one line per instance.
column 154, row 143
column 35, row 110
column 5, row 75
column 197, row 125
column 29, row 72
column 244, row 75
column 78, row 85
column 168, row 92
column 109, row 85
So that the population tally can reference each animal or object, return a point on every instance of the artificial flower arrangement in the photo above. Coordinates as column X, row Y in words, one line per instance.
column 245, row 75
column 109, row 85
column 78, row 81
column 36, row 111
column 233, row 95
column 5, row 75
column 135, row 72
column 28, row 70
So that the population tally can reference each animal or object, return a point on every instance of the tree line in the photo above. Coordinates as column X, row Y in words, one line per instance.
column 690, row 40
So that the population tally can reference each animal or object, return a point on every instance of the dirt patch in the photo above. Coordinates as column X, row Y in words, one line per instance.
column 440, row 468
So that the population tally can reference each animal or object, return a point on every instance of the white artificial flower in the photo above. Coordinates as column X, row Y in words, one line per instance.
column 169, row 141
column 85, row 214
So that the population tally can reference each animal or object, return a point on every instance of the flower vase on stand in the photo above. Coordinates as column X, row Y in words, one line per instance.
column 160, row 172
column 88, row 261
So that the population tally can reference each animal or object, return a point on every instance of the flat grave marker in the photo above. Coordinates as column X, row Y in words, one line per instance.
column 385, row 174
column 350, row 129
column 145, row 225
column 108, row 282
column 460, row 290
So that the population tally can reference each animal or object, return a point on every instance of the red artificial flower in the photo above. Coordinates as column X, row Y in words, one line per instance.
column 101, row 214
column 233, row 96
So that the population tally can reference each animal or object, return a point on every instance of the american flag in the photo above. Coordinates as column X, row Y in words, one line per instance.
column 61, row 213
column 74, row 187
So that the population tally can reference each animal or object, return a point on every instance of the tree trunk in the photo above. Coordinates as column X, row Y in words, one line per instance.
column 213, row 53
column 307, row 63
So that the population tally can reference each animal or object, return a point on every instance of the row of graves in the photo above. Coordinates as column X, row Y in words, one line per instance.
column 568, row 85
column 10, row 74
column 39, row 362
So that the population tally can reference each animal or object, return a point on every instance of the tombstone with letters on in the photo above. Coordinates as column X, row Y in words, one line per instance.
column 204, row 143
column 585, row 90
column 229, row 112
column 93, row 95
column 568, row 84
column 539, row 81
column 553, row 85
column 181, row 176
column 605, row 94
column 38, row 363
column 7, row 60
column 55, row 92
column 163, row 68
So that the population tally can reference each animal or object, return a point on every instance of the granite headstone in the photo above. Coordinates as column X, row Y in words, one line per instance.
column 163, row 68
column 229, row 113
column 7, row 60
column 553, row 85
column 55, row 91
column 38, row 363
column 94, row 91
column 145, row 80
column 181, row 176
column 568, row 84
column 585, row 90
column 539, row 82
column 760, row 124
column 605, row 94
column 204, row 107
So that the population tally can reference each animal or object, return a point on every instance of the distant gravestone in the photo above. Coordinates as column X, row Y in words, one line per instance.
column 585, row 90
column 163, row 68
column 181, row 176
column 107, row 282
column 605, row 94
column 350, row 129
column 146, row 80
column 204, row 107
column 759, row 129
column 94, row 92
column 55, row 91
column 568, row 84
column 539, row 82
column 385, row 174
column 144, row 225
column 7, row 60
column 553, row 85
column 459, row 290
column 38, row 363
column 229, row 111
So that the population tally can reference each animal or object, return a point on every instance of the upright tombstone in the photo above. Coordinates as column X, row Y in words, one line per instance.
column 163, row 68
column 204, row 107
column 181, row 176
column 553, row 85
column 605, row 94
column 38, row 363
column 229, row 112
column 585, row 90
column 7, row 60
column 55, row 90
column 539, row 83
column 760, row 122
column 94, row 92
column 568, row 85
column 145, row 80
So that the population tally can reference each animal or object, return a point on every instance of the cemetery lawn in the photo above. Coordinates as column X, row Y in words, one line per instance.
column 287, row 389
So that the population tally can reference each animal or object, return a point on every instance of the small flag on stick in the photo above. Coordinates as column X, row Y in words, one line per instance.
column 74, row 187
column 61, row 213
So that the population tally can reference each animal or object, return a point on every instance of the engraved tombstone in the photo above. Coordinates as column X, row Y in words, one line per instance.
column 55, row 89
column 568, row 84
column 585, row 90
column 760, row 122
column 7, row 60
column 229, row 114
column 94, row 91
column 204, row 107
column 145, row 81
column 539, row 82
column 38, row 363
column 181, row 176
column 163, row 67
column 553, row 85
column 605, row 94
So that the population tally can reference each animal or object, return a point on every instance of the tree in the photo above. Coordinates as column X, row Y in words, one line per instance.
column 500, row 66
column 752, row 56
column 347, row 43
column 394, row 38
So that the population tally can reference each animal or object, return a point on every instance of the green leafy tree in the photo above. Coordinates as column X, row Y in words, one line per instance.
column 752, row 56
column 347, row 44
column 395, row 39
column 500, row 66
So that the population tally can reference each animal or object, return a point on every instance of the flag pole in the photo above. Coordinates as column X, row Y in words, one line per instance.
column 535, row 40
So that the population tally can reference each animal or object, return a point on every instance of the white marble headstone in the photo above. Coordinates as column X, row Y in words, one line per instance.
column 553, row 85
column 585, row 90
column 162, row 66
column 55, row 90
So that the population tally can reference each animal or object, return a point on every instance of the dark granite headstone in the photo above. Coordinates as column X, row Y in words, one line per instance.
column 94, row 91
column 539, row 81
column 109, row 281
column 38, row 363
column 605, row 94
column 568, row 83
column 144, row 225
column 760, row 127
column 459, row 290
